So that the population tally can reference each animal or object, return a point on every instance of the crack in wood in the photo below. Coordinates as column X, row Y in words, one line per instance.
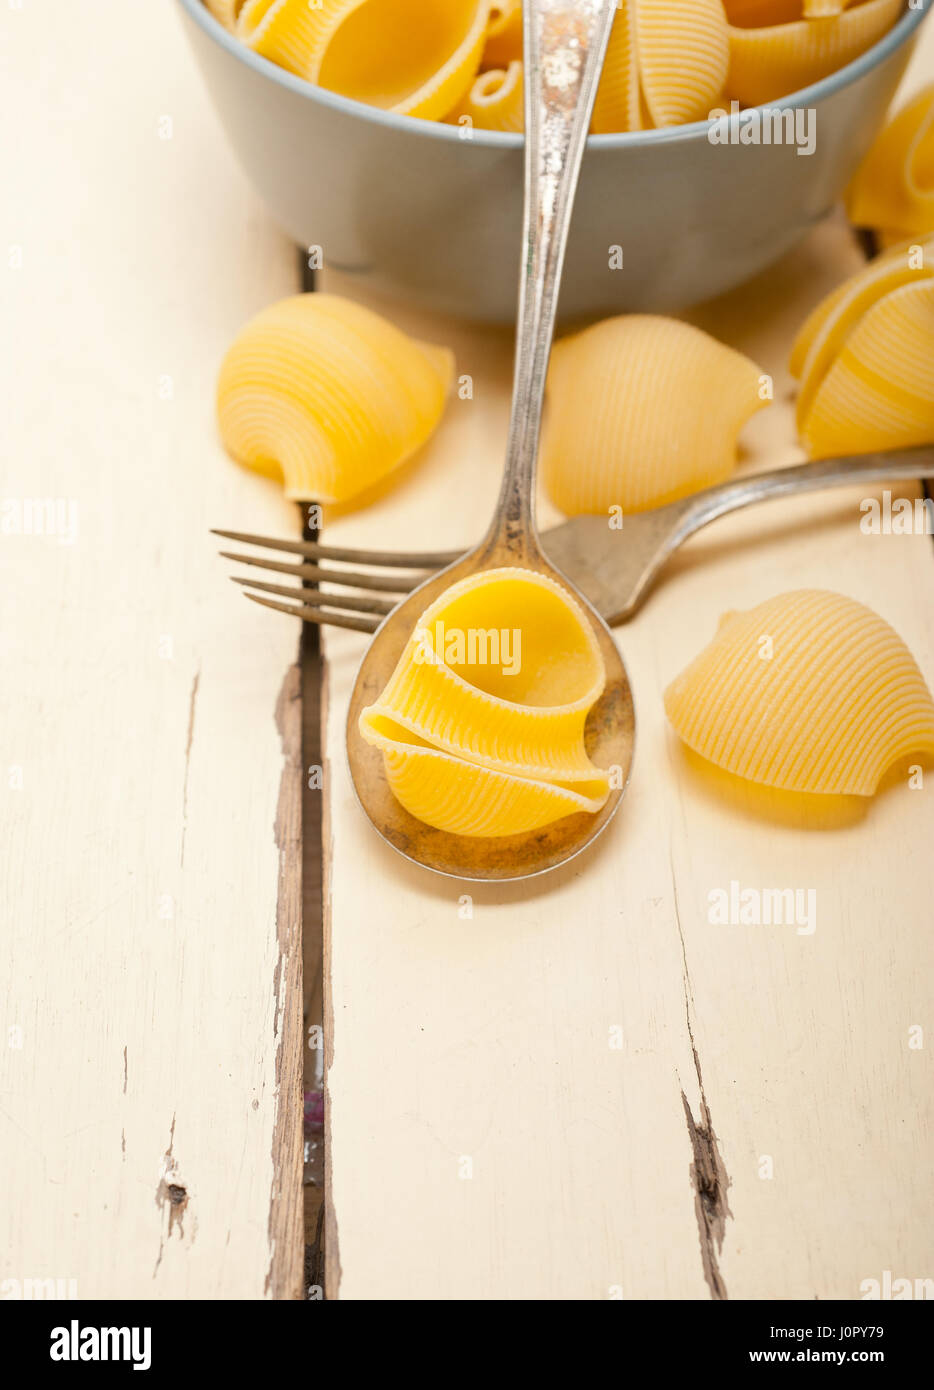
column 710, row 1182
column 171, row 1195
column 709, row 1177
column 192, row 700
column 285, row 1226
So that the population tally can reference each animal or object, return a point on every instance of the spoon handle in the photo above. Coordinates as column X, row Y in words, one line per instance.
column 565, row 43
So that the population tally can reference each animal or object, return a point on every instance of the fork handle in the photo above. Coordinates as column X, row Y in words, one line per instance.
column 706, row 506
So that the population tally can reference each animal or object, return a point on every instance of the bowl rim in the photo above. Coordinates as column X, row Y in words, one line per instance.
column 900, row 32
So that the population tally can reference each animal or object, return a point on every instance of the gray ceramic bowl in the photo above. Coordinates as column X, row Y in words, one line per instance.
column 419, row 212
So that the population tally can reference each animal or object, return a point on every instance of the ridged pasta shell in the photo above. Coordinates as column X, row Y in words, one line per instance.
column 469, row 743
column 822, row 311
column 642, row 410
column 466, row 799
column 529, row 722
column 827, row 335
column 839, row 699
column 683, row 53
column 879, row 392
column 496, row 100
column 894, row 186
column 663, row 66
column 400, row 55
column 773, row 62
column 328, row 395
column 617, row 105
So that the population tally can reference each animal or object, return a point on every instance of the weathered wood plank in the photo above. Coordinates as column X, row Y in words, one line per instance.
column 150, row 1137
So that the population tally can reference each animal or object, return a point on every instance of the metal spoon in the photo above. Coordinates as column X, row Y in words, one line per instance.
column 565, row 43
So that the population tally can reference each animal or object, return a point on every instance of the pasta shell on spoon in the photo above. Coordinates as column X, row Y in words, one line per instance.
column 490, row 743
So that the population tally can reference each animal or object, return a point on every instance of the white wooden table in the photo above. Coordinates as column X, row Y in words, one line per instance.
column 580, row 1089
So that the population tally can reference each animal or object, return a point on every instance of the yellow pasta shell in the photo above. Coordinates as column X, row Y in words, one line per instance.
column 484, row 742
column 773, row 62
column 529, row 721
column 617, row 105
column 400, row 55
column 642, row 410
column 838, row 701
column 894, row 186
column 879, row 392
column 849, row 303
column 328, row 395
column 683, row 53
column 288, row 32
column 466, row 799
column 496, row 100
column 822, row 311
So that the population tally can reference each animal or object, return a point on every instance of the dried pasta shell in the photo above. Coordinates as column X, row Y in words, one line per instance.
column 827, row 334
column 642, row 410
column 769, row 63
column 496, row 100
column 617, row 105
column 289, row 33
column 838, row 701
column 522, row 713
column 328, row 395
column 400, row 55
column 684, row 55
column 493, row 747
column 879, row 392
column 822, row 311
column 466, row 799
column 894, row 186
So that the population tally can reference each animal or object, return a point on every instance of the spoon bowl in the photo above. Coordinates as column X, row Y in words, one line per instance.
column 609, row 737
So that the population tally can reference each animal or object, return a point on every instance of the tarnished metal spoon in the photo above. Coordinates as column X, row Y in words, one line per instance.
column 565, row 43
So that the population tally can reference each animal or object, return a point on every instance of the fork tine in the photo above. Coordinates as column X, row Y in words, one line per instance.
column 357, row 603
column 351, row 579
column 315, row 615
column 430, row 559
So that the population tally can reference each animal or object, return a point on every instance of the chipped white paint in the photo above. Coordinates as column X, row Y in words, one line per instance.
column 527, row 1081
column 139, row 756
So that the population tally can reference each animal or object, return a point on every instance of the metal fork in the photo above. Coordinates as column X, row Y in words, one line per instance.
column 615, row 568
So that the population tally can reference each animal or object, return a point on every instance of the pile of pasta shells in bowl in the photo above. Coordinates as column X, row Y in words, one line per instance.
column 388, row 133
column 460, row 61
